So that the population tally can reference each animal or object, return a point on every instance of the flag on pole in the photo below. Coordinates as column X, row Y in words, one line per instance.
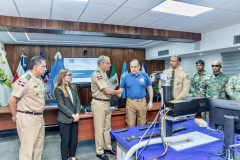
column 6, row 78
column 114, row 78
column 144, row 68
column 124, row 72
column 22, row 68
column 45, row 78
column 57, row 66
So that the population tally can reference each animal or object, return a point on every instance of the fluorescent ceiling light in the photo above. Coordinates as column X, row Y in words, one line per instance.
column 180, row 8
column 11, row 36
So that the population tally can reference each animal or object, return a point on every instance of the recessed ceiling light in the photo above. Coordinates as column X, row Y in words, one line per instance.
column 180, row 8
column 11, row 36
column 200, row 54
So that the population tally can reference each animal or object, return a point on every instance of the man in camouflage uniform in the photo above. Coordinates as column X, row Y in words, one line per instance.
column 197, row 78
column 180, row 81
column 233, row 87
column 214, row 85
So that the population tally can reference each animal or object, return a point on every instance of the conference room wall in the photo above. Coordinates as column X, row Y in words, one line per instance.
column 119, row 55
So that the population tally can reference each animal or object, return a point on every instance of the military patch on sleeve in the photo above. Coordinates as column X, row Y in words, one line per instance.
column 99, row 77
column 191, row 79
column 188, row 77
column 21, row 83
column 28, row 77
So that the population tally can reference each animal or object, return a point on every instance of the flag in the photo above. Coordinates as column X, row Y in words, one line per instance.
column 45, row 78
column 57, row 66
column 114, row 78
column 6, row 78
column 124, row 72
column 144, row 68
column 22, row 68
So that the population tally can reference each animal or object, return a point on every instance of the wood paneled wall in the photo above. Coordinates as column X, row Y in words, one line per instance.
column 119, row 55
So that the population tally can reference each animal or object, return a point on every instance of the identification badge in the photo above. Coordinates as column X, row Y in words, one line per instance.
column 141, row 80
column 35, row 86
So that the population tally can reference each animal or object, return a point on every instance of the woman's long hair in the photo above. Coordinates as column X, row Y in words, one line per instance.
column 60, row 82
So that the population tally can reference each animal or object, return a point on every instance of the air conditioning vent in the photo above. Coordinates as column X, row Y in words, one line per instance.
column 163, row 53
column 236, row 39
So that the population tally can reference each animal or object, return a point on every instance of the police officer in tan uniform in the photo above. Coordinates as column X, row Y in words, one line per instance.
column 101, row 93
column 27, row 104
column 180, row 81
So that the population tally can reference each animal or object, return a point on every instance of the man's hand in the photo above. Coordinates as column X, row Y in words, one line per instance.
column 14, row 119
column 75, row 117
column 150, row 105
column 119, row 95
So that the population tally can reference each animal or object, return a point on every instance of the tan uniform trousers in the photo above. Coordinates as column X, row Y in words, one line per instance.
column 31, row 131
column 102, row 125
column 136, row 109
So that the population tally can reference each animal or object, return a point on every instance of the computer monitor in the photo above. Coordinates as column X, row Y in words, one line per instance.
column 224, row 116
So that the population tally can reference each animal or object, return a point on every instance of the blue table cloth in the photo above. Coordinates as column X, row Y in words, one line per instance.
column 195, row 153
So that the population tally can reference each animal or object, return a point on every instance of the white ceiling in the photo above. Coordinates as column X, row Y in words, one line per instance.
column 127, row 12
column 75, row 40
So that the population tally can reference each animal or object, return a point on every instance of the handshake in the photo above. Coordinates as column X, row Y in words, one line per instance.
column 119, row 92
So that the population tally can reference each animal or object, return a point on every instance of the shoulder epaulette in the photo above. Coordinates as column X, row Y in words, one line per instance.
column 28, row 76
column 184, row 70
column 98, row 71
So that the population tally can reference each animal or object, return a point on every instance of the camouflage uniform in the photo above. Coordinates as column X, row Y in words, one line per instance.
column 213, row 87
column 233, row 87
column 196, row 81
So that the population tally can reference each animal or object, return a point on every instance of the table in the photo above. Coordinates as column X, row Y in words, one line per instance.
column 153, row 151
column 85, row 124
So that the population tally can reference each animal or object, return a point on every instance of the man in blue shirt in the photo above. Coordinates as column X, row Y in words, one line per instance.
column 135, row 84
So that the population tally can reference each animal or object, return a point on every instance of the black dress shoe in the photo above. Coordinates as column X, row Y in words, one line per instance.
column 110, row 152
column 102, row 156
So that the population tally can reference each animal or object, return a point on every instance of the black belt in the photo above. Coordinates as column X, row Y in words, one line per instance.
column 101, row 99
column 30, row 113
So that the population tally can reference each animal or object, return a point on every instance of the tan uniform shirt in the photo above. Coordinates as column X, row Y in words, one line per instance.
column 30, row 93
column 99, row 80
column 181, row 82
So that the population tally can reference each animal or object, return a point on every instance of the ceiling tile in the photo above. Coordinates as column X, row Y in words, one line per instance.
column 9, row 11
column 213, row 3
column 213, row 14
column 173, row 19
column 142, row 4
column 33, row 13
column 158, row 25
column 232, row 6
column 193, row 21
column 34, row 4
column 109, row 2
column 152, row 16
column 127, row 12
column 92, row 18
column 100, row 10
column 138, row 23
column 177, row 27
column 65, row 16
column 233, row 18
column 117, row 20
column 8, row 3
column 68, row 6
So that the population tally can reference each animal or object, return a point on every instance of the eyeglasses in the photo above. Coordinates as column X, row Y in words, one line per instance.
column 216, row 65
column 107, row 63
column 70, row 75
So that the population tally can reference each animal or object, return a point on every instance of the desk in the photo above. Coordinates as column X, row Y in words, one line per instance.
column 153, row 151
column 86, row 129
